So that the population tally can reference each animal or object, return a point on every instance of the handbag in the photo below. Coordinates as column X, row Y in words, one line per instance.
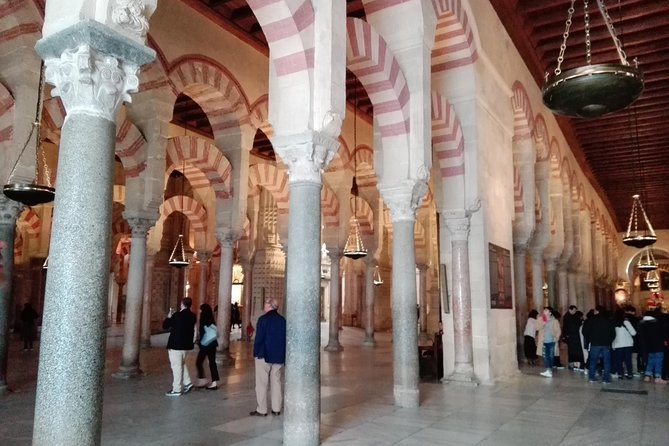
column 210, row 334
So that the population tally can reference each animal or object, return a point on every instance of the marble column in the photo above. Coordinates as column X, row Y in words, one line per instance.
column 227, row 238
column 92, row 85
column 458, row 228
column 335, row 302
column 403, row 294
column 145, row 340
column 9, row 211
column 129, row 367
column 551, row 281
column 519, row 280
column 248, row 297
column 563, row 289
column 204, row 257
column 537, row 279
column 369, row 303
column 573, row 296
column 422, row 298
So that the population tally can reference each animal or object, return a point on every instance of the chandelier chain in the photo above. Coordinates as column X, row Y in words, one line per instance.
column 586, row 20
column 612, row 32
column 565, row 36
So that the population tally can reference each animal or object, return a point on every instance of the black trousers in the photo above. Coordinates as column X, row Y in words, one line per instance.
column 210, row 353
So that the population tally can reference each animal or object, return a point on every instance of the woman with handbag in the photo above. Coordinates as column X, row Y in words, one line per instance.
column 208, row 344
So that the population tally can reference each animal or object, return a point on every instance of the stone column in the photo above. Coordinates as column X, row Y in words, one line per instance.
column 369, row 303
column 93, row 69
column 458, row 228
column 227, row 238
column 403, row 294
column 145, row 340
column 571, row 284
column 248, row 297
column 129, row 367
column 563, row 289
column 204, row 257
column 537, row 279
column 551, row 281
column 335, row 302
column 519, row 280
column 422, row 320
column 9, row 211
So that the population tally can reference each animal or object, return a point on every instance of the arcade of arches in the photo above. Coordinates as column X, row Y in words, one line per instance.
column 158, row 120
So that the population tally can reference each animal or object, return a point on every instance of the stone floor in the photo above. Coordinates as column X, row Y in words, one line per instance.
column 356, row 405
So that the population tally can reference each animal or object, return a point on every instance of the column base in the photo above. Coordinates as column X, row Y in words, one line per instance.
column 125, row 372
column 224, row 359
column 369, row 341
column 462, row 379
column 332, row 347
column 407, row 398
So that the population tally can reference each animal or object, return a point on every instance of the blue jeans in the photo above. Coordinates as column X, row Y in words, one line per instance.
column 622, row 356
column 654, row 364
column 595, row 352
column 549, row 349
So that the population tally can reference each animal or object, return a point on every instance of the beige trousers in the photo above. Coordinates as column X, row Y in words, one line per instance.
column 180, row 376
column 268, row 374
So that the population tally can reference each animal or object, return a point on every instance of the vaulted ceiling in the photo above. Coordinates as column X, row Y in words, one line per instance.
column 621, row 153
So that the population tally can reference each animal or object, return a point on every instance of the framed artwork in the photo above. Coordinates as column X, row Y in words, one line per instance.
column 500, row 277
column 443, row 287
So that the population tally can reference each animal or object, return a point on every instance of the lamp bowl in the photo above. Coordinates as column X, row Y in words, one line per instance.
column 355, row 254
column 593, row 90
column 639, row 241
column 178, row 263
column 29, row 194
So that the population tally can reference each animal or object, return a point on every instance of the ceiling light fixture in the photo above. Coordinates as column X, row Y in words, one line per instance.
column 354, row 248
column 178, row 257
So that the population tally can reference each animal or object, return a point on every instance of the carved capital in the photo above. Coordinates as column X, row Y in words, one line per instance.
column 131, row 17
column 306, row 155
column 139, row 226
column 458, row 227
column 91, row 82
column 9, row 210
column 227, row 236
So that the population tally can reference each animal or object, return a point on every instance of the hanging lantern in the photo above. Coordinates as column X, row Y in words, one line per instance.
column 378, row 281
column 45, row 265
column 652, row 278
column 634, row 237
column 178, row 257
column 354, row 248
column 592, row 90
column 32, row 194
column 647, row 262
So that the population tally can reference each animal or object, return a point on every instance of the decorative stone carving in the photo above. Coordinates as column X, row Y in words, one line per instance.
column 227, row 236
column 139, row 225
column 91, row 82
column 129, row 15
column 458, row 227
column 306, row 155
column 332, row 124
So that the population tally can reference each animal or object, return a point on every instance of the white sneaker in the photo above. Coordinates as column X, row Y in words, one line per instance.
column 546, row 373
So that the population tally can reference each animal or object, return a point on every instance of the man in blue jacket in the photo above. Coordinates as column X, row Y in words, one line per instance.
column 269, row 351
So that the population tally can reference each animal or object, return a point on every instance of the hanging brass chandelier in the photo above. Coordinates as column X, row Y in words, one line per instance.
column 647, row 261
column 592, row 90
column 178, row 257
column 652, row 278
column 354, row 248
column 32, row 194
column 378, row 281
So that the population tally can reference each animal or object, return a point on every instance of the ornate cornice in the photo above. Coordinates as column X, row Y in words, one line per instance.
column 91, row 82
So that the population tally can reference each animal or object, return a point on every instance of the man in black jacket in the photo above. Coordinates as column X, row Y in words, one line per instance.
column 600, row 333
column 182, row 331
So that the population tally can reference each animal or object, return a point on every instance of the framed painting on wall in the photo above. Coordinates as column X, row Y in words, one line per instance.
column 500, row 277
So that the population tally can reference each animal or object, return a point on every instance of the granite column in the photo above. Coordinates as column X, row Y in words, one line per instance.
column 369, row 304
column 92, row 83
column 519, row 277
column 537, row 279
column 335, row 302
column 145, row 340
column 248, row 297
column 129, row 367
column 422, row 299
column 226, row 238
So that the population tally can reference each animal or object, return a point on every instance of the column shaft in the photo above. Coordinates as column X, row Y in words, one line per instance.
column 248, row 298
column 335, row 304
column 571, row 278
column 302, row 396
column 537, row 280
column 423, row 300
column 519, row 277
column 145, row 340
column 563, row 289
column 405, row 337
column 9, row 211
column 224, row 301
column 462, row 312
column 71, row 363
column 551, row 281
column 369, row 306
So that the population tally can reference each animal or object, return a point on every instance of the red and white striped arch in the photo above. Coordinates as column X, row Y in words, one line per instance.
column 364, row 213
column 329, row 207
column 370, row 59
column 192, row 209
column 364, row 160
column 341, row 159
column 259, row 115
column 454, row 38
column 154, row 75
column 207, row 166
column 523, row 118
column 19, row 18
column 131, row 147
column 6, row 115
column 215, row 90
column 420, row 241
column 288, row 26
column 518, row 204
column 274, row 180
column 542, row 138
column 29, row 221
column 447, row 138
